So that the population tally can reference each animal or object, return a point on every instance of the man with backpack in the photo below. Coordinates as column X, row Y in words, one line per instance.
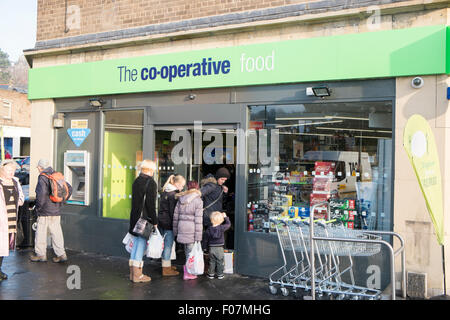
column 51, row 193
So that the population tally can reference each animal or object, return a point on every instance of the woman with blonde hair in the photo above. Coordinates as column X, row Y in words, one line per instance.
column 11, row 198
column 143, row 186
column 167, row 203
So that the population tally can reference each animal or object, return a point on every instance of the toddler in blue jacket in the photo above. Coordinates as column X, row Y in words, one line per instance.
column 214, row 239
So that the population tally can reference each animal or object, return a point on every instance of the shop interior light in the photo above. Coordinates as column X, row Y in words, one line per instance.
column 322, row 91
column 347, row 118
column 324, row 117
column 308, row 134
column 302, row 118
column 353, row 129
column 372, row 137
column 307, row 124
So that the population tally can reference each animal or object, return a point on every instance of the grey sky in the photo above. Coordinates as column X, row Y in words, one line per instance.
column 17, row 26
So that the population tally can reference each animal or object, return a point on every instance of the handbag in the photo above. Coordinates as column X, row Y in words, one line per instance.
column 143, row 228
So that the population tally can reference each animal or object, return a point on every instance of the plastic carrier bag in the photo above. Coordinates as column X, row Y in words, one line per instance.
column 195, row 264
column 155, row 245
column 128, row 241
column 173, row 254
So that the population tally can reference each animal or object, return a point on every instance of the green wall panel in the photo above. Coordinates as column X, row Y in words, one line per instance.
column 119, row 172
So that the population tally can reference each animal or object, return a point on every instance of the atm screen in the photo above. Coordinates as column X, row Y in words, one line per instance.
column 81, row 186
column 78, row 170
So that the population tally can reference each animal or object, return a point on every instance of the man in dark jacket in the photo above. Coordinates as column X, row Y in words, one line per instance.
column 212, row 190
column 49, row 217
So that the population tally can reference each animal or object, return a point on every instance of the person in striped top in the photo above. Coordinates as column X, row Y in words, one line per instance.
column 11, row 198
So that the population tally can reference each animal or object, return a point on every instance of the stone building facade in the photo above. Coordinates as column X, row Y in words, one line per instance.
column 15, row 118
column 89, row 32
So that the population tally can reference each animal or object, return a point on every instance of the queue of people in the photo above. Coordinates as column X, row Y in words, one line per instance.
column 187, row 217
column 190, row 216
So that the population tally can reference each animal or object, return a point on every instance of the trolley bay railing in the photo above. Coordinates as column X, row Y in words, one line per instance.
column 317, row 246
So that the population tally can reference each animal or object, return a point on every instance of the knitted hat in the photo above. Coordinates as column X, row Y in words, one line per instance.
column 43, row 163
column 223, row 173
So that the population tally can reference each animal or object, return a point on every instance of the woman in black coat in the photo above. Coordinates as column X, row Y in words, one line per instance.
column 167, row 204
column 143, row 185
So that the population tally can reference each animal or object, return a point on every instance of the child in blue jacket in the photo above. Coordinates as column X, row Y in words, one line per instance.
column 214, row 239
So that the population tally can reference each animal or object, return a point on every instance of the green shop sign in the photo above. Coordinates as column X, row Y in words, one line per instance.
column 391, row 53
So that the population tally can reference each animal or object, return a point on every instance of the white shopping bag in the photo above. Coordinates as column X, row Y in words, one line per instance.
column 228, row 261
column 155, row 245
column 128, row 241
column 195, row 264
column 173, row 255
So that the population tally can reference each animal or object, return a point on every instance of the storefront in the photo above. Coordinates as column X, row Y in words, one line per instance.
column 296, row 122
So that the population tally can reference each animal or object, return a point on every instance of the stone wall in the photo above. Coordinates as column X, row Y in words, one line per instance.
column 20, row 109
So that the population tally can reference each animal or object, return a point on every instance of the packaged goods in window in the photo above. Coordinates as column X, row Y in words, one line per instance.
column 303, row 211
column 287, row 200
column 320, row 211
column 258, row 224
column 351, row 204
column 322, row 168
column 293, row 212
column 322, row 184
column 338, row 204
column 295, row 177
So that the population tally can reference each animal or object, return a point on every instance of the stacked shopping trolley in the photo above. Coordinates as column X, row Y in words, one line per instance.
column 312, row 251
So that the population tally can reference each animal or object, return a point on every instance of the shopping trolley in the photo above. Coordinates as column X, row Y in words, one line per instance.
column 317, row 267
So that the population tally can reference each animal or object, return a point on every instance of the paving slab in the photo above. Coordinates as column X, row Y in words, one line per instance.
column 107, row 278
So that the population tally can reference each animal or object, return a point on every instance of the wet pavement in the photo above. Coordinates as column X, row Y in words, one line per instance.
column 107, row 278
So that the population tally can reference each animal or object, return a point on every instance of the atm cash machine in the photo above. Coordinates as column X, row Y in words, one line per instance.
column 76, row 172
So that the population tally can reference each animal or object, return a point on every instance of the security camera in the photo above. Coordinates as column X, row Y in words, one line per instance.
column 417, row 82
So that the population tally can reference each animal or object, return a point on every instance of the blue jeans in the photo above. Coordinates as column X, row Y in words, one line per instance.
column 139, row 247
column 168, row 243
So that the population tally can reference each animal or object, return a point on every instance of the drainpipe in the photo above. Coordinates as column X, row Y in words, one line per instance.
column 2, row 143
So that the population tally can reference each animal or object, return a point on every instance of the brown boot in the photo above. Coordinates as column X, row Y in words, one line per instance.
column 138, row 276
column 168, row 271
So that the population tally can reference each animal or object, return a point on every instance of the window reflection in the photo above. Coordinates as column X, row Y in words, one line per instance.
column 336, row 152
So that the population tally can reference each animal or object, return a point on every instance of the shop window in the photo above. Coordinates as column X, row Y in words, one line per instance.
column 335, row 152
column 121, row 154
column 24, row 146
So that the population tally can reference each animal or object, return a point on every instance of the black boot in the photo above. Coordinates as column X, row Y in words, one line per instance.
column 3, row 276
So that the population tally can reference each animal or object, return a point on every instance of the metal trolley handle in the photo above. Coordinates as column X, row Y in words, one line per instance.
column 388, row 245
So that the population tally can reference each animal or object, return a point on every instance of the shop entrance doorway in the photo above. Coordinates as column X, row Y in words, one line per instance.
column 197, row 153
